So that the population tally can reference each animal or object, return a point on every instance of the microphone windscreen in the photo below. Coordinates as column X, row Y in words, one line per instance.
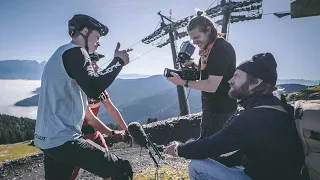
column 138, row 134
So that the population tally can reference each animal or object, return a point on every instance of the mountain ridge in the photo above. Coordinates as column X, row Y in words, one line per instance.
column 21, row 69
column 154, row 96
column 32, row 70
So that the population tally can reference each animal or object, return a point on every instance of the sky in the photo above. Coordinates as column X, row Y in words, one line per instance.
column 34, row 29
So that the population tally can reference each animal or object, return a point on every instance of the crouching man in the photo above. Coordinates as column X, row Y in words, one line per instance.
column 263, row 141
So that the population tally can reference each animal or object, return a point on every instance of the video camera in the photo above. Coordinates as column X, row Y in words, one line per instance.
column 186, row 73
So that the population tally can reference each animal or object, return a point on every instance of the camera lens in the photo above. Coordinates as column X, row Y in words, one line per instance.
column 165, row 72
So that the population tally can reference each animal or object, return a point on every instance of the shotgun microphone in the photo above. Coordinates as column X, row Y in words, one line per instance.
column 143, row 139
column 138, row 134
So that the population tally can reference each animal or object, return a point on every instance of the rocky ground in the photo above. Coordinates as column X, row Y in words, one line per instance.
column 31, row 168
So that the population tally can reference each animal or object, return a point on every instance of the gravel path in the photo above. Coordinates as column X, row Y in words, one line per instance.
column 31, row 168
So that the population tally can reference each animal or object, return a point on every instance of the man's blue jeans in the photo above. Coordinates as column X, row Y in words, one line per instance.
column 210, row 169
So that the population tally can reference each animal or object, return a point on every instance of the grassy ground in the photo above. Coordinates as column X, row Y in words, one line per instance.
column 15, row 151
column 165, row 173
column 304, row 94
column 311, row 90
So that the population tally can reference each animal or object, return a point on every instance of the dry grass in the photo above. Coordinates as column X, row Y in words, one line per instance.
column 305, row 93
column 316, row 88
column 15, row 151
column 179, row 172
column 311, row 90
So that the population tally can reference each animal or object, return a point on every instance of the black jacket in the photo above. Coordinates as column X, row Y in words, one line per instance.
column 266, row 139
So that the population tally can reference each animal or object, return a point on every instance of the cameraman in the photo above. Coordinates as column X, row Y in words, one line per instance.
column 217, row 64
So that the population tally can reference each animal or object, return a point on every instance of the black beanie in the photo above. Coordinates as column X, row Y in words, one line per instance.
column 262, row 66
column 96, row 56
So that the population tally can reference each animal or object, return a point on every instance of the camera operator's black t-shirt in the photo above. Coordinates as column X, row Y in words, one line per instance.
column 221, row 62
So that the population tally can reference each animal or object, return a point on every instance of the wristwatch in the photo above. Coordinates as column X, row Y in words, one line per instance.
column 186, row 85
column 176, row 150
column 113, row 133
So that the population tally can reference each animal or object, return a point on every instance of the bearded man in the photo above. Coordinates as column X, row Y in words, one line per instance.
column 263, row 141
